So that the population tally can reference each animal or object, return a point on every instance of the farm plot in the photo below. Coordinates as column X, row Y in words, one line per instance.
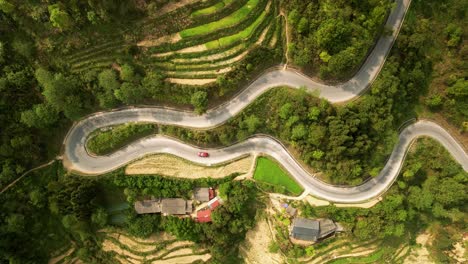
column 162, row 248
column 193, row 44
column 270, row 174
column 205, row 52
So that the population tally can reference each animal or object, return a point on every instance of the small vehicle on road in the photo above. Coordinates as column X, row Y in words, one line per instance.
column 203, row 154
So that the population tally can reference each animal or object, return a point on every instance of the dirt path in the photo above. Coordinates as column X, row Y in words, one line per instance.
column 62, row 256
column 288, row 35
column 26, row 173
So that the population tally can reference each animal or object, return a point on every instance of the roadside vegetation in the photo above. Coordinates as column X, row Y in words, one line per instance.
column 105, row 142
column 272, row 178
column 61, row 60
column 332, row 38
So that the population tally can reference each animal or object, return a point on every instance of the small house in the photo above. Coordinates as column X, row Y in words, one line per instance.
column 166, row 206
column 176, row 206
column 149, row 206
column 201, row 194
column 312, row 230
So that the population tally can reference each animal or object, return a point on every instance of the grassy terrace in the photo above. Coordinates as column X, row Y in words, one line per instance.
column 105, row 142
column 211, row 9
column 230, row 20
column 225, row 41
column 272, row 176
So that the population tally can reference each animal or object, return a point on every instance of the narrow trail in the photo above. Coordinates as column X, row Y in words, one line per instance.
column 288, row 37
column 26, row 173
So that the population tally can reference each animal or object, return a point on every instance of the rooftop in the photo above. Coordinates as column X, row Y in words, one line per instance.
column 305, row 229
column 201, row 194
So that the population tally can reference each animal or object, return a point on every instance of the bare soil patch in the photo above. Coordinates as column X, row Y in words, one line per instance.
column 185, row 259
column 172, row 166
column 191, row 81
column 255, row 247
column 164, row 39
column 420, row 255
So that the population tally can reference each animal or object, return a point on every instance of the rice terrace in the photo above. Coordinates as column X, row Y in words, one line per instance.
column 233, row 131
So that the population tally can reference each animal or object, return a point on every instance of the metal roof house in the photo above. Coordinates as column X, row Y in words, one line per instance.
column 150, row 206
column 166, row 206
column 201, row 194
column 175, row 206
column 311, row 230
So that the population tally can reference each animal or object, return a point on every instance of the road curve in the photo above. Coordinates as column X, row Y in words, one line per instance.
column 88, row 164
column 77, row 158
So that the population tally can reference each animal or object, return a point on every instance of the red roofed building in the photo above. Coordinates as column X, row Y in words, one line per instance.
column 213, row 203
column 204, row 216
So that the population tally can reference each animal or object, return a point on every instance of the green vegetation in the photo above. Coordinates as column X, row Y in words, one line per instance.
column 333, row 37
column 105, row 142
column 230, row 20
column 269, row 172
column 430, row 193
column 209, row 10
column 226, row 41
column 372, row 258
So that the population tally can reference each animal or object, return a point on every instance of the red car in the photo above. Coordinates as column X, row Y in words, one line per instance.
column 203, row 154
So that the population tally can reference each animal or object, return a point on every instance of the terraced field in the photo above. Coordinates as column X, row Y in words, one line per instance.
column 217, row 35
column 161, row 248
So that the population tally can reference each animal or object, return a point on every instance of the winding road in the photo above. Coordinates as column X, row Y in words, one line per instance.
column 77, row 158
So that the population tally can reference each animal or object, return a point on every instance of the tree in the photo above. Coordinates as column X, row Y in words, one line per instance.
column 128, row 93
column 303, row 25
column 199, row 100
column 61, row 92
column 293, row 18
column 108, row 80
column 299, row 132
column 252, row 122
column 153, row 83
column 6, row 7
column 41, row 116
column 100, row 217
column 127, row 73
column 59, row 18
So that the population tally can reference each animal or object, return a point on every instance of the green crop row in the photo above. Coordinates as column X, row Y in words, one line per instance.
column 228, row 21
column 224, row 41
column 201, row 39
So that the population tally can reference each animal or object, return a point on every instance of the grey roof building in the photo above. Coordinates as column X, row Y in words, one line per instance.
column 176, row 206
column 167, row 206
column 148, row 206
column 312, row 230
column 201, row 194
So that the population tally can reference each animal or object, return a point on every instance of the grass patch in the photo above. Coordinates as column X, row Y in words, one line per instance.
column 105, row 142
column 211, row 9
column 238, row 36
column 374, row 257
column 269, row 172
column 230, row 20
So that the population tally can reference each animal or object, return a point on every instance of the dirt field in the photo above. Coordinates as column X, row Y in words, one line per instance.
column 420, row 255
column 140, row 251
column 255, row 248
column 191, row 81
column 176, row 167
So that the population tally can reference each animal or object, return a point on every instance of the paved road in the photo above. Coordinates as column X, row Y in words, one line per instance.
column 76, row 157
